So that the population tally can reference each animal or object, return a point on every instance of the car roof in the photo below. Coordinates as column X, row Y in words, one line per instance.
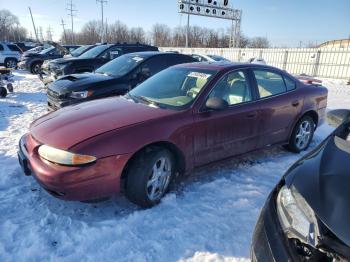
column 224, row 66
column 147, row 54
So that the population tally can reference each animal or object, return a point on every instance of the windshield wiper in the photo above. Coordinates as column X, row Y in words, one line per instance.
column 148, row 101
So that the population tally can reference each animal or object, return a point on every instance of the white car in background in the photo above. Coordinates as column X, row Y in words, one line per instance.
column 209, row 58
column 258, row 61
column 10, row 54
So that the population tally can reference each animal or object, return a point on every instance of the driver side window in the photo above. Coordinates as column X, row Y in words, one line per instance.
column 233, row 88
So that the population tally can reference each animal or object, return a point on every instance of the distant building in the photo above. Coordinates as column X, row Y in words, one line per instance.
column 343, row 43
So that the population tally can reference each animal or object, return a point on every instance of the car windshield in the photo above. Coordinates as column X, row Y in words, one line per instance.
column 120, row 66
column 77, row 52
column 45, row 51
column 175, row 88
column 94, row 52
column 217, row 58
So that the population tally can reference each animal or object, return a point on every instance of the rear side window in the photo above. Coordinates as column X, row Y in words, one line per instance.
column 269, row 83
column 14, row 48
column 178, row 59
column 291, row 85
column 1, row 47
column 154, row 65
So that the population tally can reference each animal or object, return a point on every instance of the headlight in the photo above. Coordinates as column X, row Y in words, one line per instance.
column 63, row 157
column 80, row 95
column 296, row 216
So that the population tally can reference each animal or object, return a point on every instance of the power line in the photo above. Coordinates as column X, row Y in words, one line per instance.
column 71, row 10
column 102, row 2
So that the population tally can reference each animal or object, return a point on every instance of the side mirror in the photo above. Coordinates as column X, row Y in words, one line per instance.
column 336, row 117
column 215, row 103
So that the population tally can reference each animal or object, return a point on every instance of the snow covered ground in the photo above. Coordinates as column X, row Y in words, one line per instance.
column 209, row 216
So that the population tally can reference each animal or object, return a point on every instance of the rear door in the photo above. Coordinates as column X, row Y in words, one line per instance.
column 279, row 102
column 232, row 131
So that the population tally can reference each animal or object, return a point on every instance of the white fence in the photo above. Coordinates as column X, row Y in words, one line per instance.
column 329, row 63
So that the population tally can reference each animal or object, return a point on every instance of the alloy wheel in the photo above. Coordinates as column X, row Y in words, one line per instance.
column 11, row 64
column 159, row 178
column 303, row 135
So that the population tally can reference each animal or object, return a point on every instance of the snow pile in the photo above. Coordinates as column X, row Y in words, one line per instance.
column 209, row 216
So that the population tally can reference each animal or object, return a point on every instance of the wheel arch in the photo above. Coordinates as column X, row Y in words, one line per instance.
column 179, row 156
column 312, row 113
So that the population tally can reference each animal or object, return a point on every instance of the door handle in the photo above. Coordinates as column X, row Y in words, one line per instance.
column 295, row 103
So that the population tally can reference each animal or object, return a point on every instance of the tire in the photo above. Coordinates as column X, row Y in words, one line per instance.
column 35, row 68
column 10, row 87
column 11, row 63
column 139, row 186
column 302, row 135
column 3, row 92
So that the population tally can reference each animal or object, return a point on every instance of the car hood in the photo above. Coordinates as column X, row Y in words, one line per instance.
column 80, row 82
column 71, row 125
column 323, row 179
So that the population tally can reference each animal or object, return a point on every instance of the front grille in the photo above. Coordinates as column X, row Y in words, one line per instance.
column 53, row 94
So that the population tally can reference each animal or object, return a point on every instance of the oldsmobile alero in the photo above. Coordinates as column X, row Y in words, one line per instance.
column 181, row 118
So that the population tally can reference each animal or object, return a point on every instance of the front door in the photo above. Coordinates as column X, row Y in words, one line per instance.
column 231, row 131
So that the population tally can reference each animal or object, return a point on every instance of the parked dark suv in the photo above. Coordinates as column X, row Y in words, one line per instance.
column 114, row 78
column 90, row 60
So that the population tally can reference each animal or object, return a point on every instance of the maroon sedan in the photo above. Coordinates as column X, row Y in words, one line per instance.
column 182, row 118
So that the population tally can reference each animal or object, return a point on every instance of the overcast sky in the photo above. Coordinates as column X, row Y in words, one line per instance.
column 284, row 22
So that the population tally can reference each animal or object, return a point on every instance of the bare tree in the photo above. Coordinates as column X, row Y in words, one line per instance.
column 161, row 35
column 137, row 34
column 10, row 29
column 118, row 32
column 259, row 42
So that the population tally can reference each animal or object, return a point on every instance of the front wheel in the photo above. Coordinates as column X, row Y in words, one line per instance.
column 149, row 177
column 302, row 135
column 11, row 63
column 35, row 68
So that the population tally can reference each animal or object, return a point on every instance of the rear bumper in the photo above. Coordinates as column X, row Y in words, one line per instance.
column 88, row 182
column 269, row 242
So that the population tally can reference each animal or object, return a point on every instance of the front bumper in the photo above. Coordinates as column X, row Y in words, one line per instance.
column 92, row 181
column 269, row 242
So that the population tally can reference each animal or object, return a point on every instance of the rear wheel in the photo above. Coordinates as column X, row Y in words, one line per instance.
column 11, row 63
column 302, row 135
column 149, row 177
column 35, row 68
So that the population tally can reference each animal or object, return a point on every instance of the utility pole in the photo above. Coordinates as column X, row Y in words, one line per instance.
column 36, row 33
column 102, row 2
column 188, row 24
column 64, row 31
column 71, row 14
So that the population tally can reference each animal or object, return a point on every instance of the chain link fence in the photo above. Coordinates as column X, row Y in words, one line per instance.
column 328, row 63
